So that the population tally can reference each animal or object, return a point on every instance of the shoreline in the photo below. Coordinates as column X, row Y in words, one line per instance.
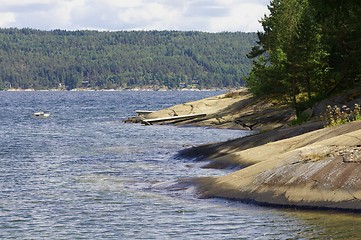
column 320, row 169
column 113, row 90
column 237, row 109
column 306, row 166
column 224, row 154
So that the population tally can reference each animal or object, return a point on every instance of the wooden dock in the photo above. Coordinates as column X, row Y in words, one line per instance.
column 174, row 118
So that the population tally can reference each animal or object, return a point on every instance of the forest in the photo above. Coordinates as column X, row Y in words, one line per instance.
column 309, row 50
column 55, row 59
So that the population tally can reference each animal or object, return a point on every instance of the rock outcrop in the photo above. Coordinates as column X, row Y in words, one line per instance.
column 319, row 169
column 306, row 166
column 234, row 110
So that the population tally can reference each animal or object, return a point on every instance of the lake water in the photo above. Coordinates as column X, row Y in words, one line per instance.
column 84, row 174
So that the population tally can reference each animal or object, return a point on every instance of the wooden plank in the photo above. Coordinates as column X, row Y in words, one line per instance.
column 174, row 118
column 142, row 112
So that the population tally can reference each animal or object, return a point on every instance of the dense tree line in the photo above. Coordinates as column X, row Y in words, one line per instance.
column 308, row 50
column 46, row 59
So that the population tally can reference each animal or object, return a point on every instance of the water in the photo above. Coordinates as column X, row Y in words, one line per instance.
column 84, row 174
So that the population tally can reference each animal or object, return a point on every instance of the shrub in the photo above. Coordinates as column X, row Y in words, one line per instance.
column 337, row 116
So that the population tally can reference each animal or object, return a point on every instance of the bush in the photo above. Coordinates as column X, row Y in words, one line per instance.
column 336, row 116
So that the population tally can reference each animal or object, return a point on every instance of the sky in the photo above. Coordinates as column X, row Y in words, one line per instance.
column 124, row 15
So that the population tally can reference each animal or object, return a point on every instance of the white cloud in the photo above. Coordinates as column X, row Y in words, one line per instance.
column 202, row 15
column 11, row 3
column 120, row 4
column 148, row 15
column 242, row 16
column 7, row 19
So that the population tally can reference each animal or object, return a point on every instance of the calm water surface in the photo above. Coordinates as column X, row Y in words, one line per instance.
column 84, row 174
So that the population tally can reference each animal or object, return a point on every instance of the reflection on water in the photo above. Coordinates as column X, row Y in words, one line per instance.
column 330, row 224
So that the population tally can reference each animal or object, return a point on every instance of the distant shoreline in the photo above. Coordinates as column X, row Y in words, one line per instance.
column 113, row 90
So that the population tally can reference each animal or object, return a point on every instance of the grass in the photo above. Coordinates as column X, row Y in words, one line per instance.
column 302, row 118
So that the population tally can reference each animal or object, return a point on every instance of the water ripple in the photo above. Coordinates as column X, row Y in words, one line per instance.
column 83, row 174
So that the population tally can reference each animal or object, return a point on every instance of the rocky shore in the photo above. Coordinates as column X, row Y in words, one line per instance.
column 233, row 110
column 320, row 169
column 306, row 166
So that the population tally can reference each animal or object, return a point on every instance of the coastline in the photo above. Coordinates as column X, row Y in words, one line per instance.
column 318, row 169
column 109, row 90
column 237, row 109
column 306, row 166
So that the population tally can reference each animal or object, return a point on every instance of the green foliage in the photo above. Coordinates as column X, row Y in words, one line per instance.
column 342, row 34
column 273, row 71
column 44, row 59
column 308, row 48
column 300, row 119
column 337, row 116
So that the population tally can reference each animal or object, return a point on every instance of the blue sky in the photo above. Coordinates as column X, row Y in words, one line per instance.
column 113, row 15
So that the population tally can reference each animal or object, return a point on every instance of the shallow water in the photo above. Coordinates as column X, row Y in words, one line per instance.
column 84, row 174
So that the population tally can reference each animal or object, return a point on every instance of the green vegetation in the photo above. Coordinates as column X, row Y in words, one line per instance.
column 338, row 116
column 309, row 50
column 49, row 59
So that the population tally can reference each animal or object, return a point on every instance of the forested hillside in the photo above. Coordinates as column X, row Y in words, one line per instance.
column 49, row 59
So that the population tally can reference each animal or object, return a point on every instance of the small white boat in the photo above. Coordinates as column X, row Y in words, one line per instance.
column 41, row 114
